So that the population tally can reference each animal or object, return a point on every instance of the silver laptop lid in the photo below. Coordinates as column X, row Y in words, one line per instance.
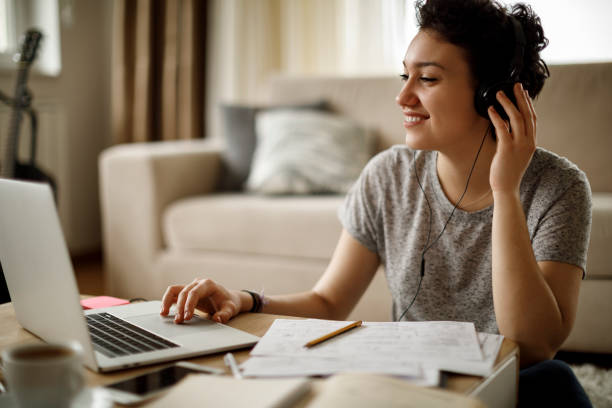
column 37, row 266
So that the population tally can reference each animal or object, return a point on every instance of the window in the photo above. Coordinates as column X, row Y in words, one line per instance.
column 377, row 33
column 16, row 16
column 578, row 31
column 7, row 31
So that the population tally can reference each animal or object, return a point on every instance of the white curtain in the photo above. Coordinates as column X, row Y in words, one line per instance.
column 251, row 39
column 375, row 35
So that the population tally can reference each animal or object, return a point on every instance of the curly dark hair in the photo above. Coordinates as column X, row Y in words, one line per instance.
column 484, row 30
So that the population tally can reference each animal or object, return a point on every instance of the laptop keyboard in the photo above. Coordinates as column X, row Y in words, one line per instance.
column 115, row 337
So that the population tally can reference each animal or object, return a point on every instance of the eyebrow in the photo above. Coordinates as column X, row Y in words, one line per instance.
column 425, row 64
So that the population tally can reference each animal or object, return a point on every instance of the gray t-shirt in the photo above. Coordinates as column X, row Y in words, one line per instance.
column 386, row 211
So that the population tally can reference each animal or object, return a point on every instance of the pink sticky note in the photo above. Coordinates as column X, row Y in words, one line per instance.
column 102, row 301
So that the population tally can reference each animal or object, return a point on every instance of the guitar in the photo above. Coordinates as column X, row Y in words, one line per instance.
column 11, row 167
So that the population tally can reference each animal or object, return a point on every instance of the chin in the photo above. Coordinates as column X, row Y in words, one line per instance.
column 417, row 142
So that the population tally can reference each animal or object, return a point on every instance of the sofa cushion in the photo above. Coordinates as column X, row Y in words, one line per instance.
column 305, row 227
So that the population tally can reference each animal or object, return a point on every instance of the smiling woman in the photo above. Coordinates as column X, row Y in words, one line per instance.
column 471, row 220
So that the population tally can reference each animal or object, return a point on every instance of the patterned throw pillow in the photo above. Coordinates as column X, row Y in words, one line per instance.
column 307, row 152
column 238, row 128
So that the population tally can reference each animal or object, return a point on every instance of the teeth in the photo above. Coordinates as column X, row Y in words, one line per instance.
column 413, row 118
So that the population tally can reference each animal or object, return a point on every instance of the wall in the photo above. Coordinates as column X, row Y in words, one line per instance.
column 77, row 105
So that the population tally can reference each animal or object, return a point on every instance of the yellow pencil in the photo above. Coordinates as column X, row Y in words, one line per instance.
column 333, row 334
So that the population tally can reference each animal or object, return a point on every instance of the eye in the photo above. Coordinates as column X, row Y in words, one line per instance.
column 428, row 79
column 404, row 77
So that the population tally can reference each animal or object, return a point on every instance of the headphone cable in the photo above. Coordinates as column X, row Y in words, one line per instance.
column 428, row 246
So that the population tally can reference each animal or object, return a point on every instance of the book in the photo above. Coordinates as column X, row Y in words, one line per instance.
column 202, row 390
column 368, row 390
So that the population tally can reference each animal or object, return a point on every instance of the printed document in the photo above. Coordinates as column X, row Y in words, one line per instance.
column 414, row 341
column 415, row 350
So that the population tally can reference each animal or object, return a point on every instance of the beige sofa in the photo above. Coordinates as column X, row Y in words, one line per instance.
column 164, row 223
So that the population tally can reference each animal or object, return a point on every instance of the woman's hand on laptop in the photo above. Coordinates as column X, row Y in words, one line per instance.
column 205, row 295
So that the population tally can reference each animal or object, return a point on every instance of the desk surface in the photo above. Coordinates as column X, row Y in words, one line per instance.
column 11, row 333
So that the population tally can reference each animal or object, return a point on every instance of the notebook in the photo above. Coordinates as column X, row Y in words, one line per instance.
column 359, row 390
column 44, row 293
column 200, row 390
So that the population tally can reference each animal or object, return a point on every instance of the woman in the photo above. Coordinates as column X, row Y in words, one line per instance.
column 471, row 220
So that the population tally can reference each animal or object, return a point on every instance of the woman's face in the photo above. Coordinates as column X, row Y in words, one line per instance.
column 437, row 98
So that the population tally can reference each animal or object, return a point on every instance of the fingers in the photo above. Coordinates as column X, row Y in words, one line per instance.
column 169, row 298
column 203, row 294
column 531, row 108
column 195, row 299
column 181, row 300
column 522, row 118
column 517, row 123
column 527, row 112
column 533, row 116
column 197, row 290
column 501, row 127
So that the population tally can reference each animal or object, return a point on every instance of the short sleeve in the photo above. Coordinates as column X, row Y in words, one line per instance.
column 563, row 233
column 360, row 211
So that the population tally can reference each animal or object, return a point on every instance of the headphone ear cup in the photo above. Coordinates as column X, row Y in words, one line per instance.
column 481, row 102
column 486, row 96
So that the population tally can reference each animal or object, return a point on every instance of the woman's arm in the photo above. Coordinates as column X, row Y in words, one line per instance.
column 348, row 275
column 535, row 303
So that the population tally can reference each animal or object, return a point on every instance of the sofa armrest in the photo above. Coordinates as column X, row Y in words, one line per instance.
column 137, row 182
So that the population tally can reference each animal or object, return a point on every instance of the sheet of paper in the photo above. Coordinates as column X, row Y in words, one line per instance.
column 490, row 345
column 396, row 341
column 286, row 366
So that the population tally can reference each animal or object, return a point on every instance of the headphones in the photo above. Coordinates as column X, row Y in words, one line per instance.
column 485, row 93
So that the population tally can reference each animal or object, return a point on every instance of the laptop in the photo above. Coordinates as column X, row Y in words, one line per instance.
column 46, row 300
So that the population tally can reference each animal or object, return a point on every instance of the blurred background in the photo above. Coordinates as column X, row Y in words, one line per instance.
column 121, row 71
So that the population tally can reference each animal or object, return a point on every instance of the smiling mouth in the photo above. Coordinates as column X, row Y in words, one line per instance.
column 412, row 120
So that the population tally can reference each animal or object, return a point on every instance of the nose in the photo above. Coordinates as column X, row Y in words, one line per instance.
column 407, row 96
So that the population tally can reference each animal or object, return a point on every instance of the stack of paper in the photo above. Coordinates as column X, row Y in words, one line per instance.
column 417, row 350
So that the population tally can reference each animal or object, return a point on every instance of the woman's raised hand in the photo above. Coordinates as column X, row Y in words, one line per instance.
column 516, row 141
column 205, row 295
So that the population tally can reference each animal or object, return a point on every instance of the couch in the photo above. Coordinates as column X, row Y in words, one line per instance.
column 164, row 221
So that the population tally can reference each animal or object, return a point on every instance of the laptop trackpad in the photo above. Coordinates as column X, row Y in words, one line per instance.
column 165, row 326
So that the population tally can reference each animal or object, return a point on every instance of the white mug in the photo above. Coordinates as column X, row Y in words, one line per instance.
column 43, row 375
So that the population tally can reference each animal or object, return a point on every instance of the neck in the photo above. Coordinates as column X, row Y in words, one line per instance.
column 454, row 167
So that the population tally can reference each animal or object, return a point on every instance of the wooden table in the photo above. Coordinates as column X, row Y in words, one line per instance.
column 499, row 389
